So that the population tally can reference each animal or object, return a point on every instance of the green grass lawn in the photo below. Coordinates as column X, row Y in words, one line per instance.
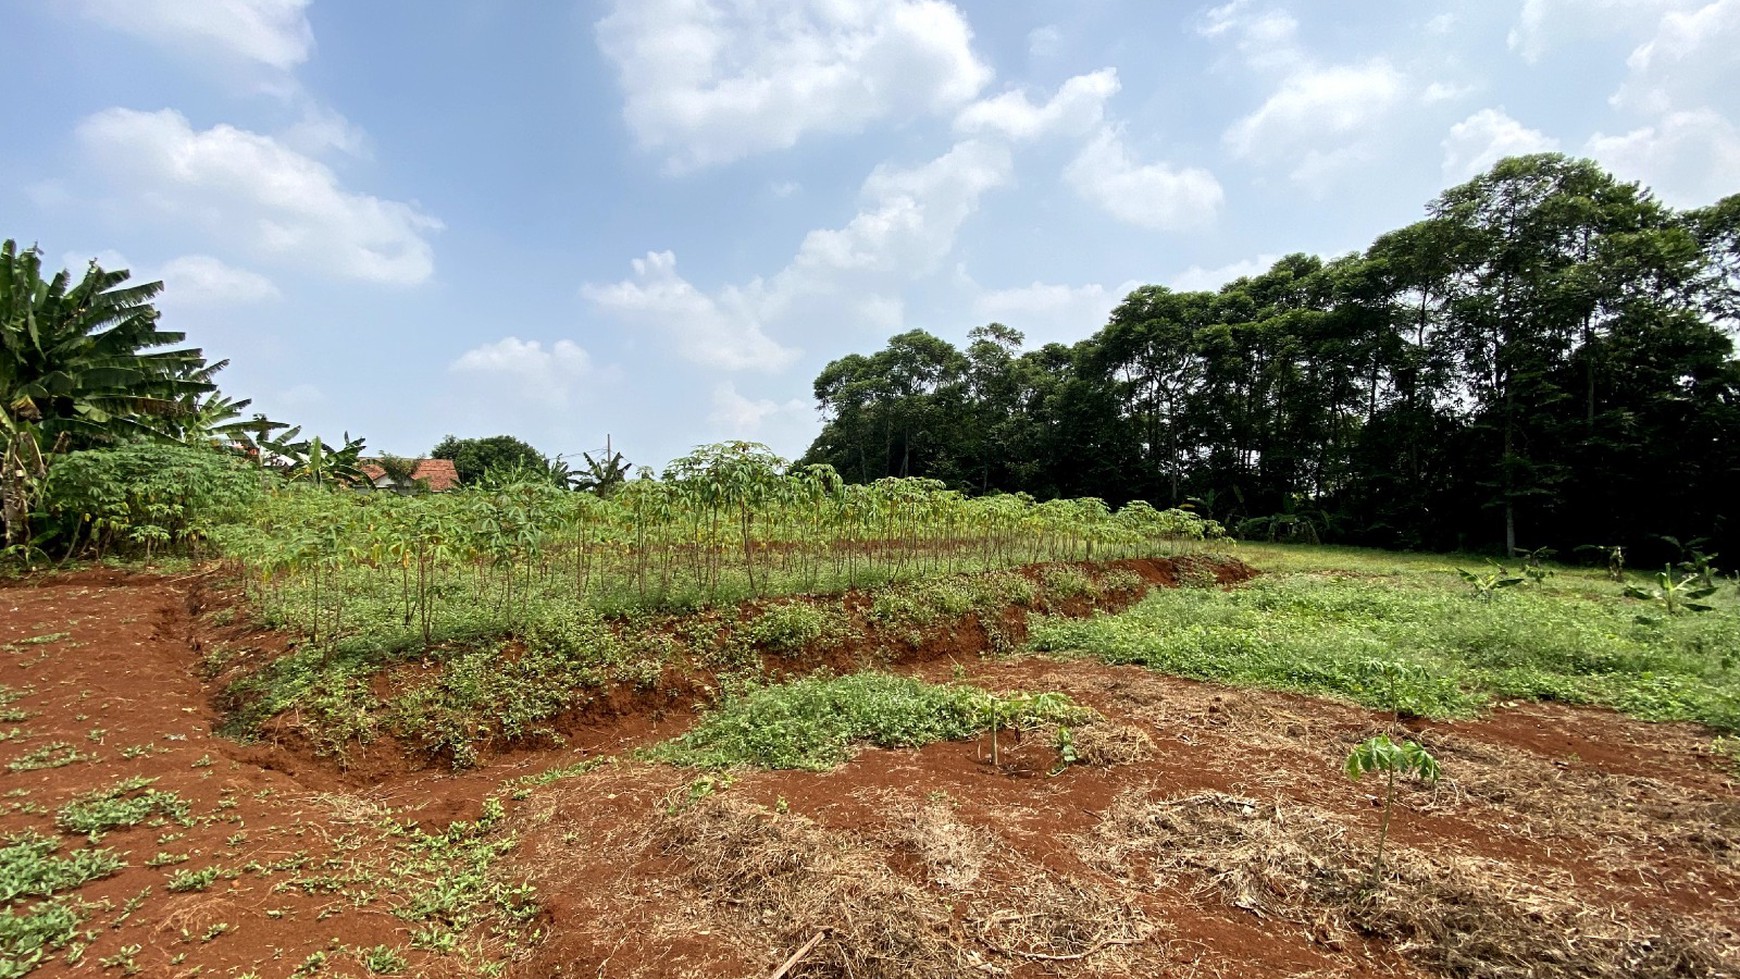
column 1377, row 627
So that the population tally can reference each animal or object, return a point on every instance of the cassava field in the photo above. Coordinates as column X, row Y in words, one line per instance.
column 879, row 739
column 798, row 729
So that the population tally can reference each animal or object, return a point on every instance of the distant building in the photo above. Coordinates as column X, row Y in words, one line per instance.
column 438, row 474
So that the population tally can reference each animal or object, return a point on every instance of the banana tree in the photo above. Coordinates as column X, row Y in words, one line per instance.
column 80, row 365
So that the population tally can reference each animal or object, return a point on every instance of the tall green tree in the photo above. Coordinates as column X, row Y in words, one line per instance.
column 475, row 458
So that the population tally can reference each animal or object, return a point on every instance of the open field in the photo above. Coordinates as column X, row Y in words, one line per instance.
column 1202, row 829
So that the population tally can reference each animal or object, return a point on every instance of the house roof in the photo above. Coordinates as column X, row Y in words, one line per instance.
column 439, row 473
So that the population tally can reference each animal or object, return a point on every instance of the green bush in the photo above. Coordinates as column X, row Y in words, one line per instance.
column 790, row 626
column 145, row 498
column 813, row 723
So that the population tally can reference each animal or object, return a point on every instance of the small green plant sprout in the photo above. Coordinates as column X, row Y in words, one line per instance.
column 1674, row 593
column 1066, row 753
column 1020, row 711
column 1693, row 562
column 1612, row 554
column 1380, row 754
column 1485, row 585
column 1535, row 564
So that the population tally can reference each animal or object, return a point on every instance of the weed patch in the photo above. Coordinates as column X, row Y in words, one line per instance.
column 31, row 867
column 127, row 803
column 1417, row 642
column 814, row 723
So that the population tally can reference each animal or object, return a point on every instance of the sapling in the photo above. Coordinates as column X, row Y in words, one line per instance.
column 1485, row 584
column 1676, row 594
column 1380, row 754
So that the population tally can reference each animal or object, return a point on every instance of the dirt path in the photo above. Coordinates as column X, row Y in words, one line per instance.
column 279, row 865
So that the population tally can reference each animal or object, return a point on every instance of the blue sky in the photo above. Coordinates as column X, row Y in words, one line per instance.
column 657, row 219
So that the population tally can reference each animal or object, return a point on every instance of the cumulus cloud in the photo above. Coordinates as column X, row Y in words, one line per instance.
column 1078, row 107
column 1047, row 311
column 1445, row 92
column 1321, row 118
column 1265, row 38
column 548, row 375
column 1199, row 279
column 202, row 280
column 255, row 190
column 737, row 416
column 906, row 224
column 707, row 82
column 188, row 281
column 724, row 332
column 1148, row 195
column 1486, row 137
column 1543, row 21
column 1694, row 54
column 1689, row 158
column 1045, row 41
column 273, row 33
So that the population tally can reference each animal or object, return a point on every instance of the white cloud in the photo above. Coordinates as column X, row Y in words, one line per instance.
column 188, row 281
column 1445, row 92
column 251, row 188
column 908, row 221
column 1323, row 118
column 1694, row 54
column 274, row 33
column 1044, row 41
column 1689, row 158
column 1149, row 195
column 1542, row 21
column 1198, row 279
column 1265, row 39
column 549, row 375
column 1075, row 110
column 1484, row 138
column 724, row 333
column 1050, row 311
column 740, row 417
column 201, row 280
column 1442, row 23
column 322, row 130
column 708, row 81
column 846, row 276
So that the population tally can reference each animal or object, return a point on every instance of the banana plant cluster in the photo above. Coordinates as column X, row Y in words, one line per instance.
column 726, row 522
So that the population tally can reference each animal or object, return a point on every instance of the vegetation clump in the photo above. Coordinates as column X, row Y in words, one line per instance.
column 126, row 803
column 1399, row 634
column 814, row 723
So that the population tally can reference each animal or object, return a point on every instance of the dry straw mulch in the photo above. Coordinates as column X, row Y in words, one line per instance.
column 1460, row 916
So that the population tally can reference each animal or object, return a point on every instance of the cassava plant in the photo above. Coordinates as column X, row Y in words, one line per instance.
column 1394, row 759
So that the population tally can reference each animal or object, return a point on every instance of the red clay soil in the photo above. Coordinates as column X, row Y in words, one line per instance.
column 1639, row 818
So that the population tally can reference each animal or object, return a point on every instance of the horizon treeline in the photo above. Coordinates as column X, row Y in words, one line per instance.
column 1544, row 361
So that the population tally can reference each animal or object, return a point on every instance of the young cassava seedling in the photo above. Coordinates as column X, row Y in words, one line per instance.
column 1380, row 754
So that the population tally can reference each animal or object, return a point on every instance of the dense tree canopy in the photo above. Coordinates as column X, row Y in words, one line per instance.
column 1544, row 360
column 475, row 458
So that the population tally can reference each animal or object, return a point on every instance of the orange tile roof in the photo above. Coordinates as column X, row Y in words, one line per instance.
column 439, row 473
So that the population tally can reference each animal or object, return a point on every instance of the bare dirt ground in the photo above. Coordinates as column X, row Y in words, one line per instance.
column 1209, row 832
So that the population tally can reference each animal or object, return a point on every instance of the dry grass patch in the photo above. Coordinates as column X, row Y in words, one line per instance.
column 783, row 879
column 953, row 853
column 1459, row 916
column 1105, row 743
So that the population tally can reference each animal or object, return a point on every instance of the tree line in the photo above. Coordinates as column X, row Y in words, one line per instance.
column 1544, row 360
